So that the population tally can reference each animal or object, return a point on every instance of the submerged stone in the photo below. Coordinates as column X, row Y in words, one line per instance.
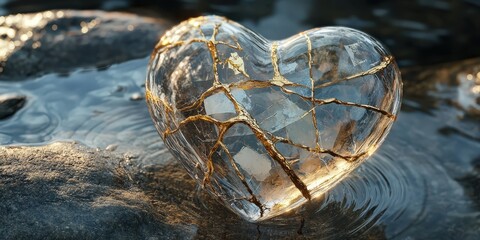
column 10, row 104
column 267, row 126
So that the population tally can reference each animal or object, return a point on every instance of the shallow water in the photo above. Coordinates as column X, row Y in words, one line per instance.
column 421, row 183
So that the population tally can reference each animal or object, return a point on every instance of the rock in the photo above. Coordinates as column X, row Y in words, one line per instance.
column 65, row 190
column 10, row 104
column 59, row 41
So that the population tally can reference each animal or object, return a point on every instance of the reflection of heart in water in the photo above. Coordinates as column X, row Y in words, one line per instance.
column 269, row 125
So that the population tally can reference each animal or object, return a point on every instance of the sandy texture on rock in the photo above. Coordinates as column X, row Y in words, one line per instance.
column 66, row 190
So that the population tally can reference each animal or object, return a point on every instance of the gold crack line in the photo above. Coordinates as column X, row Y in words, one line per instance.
column 159, row 101
column 243, row 117
column 274, row 59
column 383, row 64
column 189, row 119
column 315, row 150
column 245, row 120
column 327, row 101
column 312, row 96
column 277, row 76
column 244, row 85
column 278, row 79
column 251, row 84
column 162, row 47
column 319, row 150
column 248, row 120
column 280, row 159
column 258, row 132
column 253, row 199
column 198, row 26
column 165, row 46
column 212, row 48
column 336, row 101
column 183, row 122
column 238, row 47
column 254, row 84
column 212, row 90
column 223, row 128
column 149, row 96
column 365, row 106
column 387, row 60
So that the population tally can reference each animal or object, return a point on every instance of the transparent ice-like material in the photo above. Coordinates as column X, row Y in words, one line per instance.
column 268, row 125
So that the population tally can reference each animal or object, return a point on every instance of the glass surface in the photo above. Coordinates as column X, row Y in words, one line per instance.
column 268, row 125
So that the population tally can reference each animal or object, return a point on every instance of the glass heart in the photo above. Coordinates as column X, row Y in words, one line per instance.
column 268, row 125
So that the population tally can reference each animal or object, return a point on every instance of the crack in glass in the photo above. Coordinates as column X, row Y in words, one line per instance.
column 269, row 140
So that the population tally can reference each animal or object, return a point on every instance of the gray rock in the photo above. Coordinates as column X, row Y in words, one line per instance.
column 65, row 190
column 59, row 41
column 10, row 104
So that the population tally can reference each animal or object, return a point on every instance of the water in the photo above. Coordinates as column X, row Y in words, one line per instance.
column 421, row 183
column 100, row 108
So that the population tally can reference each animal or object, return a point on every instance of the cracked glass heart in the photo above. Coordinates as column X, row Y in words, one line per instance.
column 266, row 126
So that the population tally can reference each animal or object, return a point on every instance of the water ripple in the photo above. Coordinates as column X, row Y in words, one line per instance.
column 91, row 106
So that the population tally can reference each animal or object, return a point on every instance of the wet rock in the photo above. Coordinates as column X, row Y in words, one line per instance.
column 10, row 104
column 65, row 190
column 59, row 41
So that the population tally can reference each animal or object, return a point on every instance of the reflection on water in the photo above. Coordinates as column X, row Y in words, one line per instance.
column 421, row 183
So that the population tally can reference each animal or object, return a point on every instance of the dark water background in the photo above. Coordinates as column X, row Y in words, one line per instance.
column 423, row 182
column 416, row 31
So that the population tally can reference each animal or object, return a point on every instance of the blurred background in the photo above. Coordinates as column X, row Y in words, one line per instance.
column 416, row 31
